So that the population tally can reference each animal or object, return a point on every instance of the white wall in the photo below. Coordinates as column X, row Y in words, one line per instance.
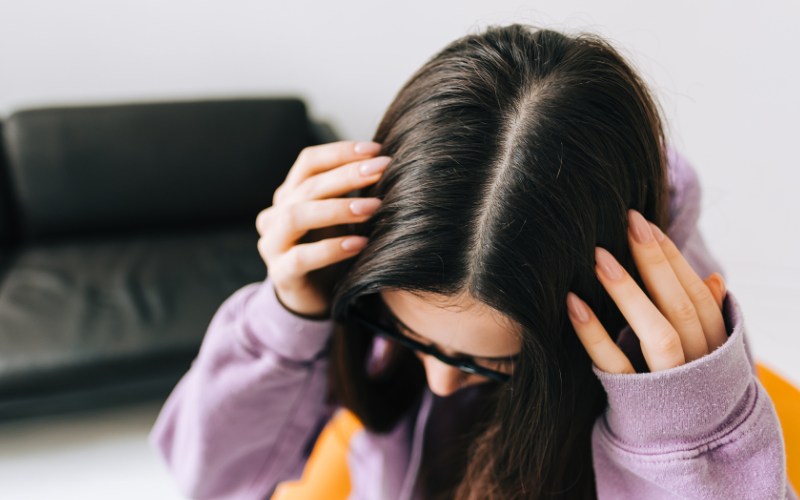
column 727, row 74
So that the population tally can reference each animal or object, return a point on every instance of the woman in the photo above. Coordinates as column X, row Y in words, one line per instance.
column 513, row 234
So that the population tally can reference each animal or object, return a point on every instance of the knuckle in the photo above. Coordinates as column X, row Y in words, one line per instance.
column 263, row 221
column 305, row 160
column 263, row 248
column 308, row 188
column 278, row 195
column 707, row 303
column 670, row 344
column 699, row 290
column 291, row 216
column 683, row 310
column 293, row 262
column 595, row 339
column 655, row 257
column 305, row 155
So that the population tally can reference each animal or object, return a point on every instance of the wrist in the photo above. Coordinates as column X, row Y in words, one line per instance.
column 688, row 403
column 301, row 308
column 271, row 326
column 303, row 302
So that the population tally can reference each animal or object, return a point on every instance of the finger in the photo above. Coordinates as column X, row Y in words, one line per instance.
column 287, row 224
column 661, row 344
column 316, row 159
column 340, row 181
column 603, row 351
column 716, row 284
column 302, row 259
column 705, row 303
column 666, row 290
column 263, row 220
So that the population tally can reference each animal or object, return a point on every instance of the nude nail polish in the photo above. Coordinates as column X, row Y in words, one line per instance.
column 577, row 308
column 374, row 166
column 607, row 264
column 367, row 148
column 640, row 229
column 365, row 207
column 657, row 232
column 354, row 243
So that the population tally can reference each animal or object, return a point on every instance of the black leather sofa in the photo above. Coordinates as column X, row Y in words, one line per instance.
column 122, row 230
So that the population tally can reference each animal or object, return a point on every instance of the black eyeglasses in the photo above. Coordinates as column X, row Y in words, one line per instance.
column 460, row 363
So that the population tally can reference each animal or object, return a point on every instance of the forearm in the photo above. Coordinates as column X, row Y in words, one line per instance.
column 706, row 429
column 240, row 419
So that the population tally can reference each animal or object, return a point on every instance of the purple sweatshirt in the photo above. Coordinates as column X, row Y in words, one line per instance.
column 248, row 411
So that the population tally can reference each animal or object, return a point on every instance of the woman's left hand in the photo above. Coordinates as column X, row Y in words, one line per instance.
column 682, row 323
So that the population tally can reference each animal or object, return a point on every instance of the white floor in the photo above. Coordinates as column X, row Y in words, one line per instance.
column 100, row 455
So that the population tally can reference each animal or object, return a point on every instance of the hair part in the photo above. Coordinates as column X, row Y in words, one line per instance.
column 515, row 152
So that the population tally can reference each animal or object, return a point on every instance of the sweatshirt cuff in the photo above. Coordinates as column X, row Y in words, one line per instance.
column 687, row 403
column 274, row 328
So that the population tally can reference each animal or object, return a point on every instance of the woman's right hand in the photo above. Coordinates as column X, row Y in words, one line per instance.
column 302, row 233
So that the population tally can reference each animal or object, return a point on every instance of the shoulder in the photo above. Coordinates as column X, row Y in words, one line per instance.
column 684, row 197
column 685, row 202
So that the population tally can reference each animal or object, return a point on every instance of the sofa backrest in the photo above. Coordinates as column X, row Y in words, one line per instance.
column 85, row 170
column 7, row 226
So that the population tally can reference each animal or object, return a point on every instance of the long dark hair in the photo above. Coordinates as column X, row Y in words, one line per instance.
column 515, row 152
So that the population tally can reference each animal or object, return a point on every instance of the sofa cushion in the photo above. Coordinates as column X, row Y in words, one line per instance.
column 127, row 314
column 86, row 170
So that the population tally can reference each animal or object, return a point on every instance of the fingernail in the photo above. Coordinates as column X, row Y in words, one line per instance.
column 657, row 232
column 607, row 264
column 640, row 229
column 367, row 148
column 366, row 206
column 577, row 308
column 374, row 166
column 354, row 243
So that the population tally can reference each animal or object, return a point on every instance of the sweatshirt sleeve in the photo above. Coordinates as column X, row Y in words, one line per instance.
column 241, row 419
column 706, row 429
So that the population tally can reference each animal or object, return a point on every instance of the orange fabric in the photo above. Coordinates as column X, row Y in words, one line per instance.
column 326, row 474
column 786, row 398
